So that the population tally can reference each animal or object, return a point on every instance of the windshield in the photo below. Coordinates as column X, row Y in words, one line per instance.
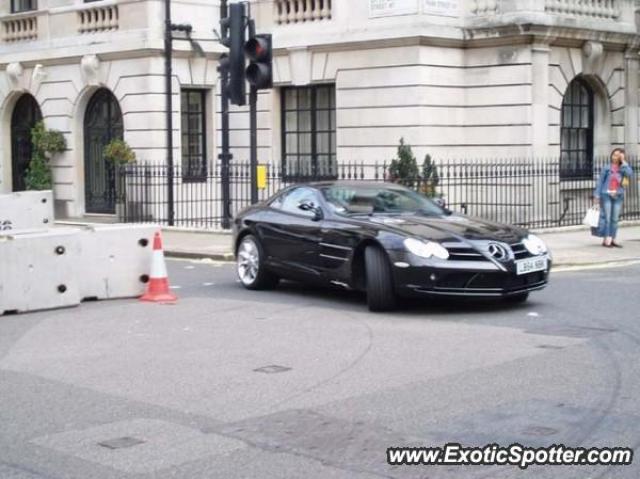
column 368, row 199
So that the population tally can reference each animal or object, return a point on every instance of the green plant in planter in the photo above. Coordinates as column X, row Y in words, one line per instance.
column 404, row 168
column 119, row 153
column 430, row 178
column 45, row 144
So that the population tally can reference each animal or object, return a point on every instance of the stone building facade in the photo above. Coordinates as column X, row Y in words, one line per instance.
column 455, row 78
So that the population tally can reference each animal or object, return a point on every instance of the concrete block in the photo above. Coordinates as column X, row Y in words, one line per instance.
column 26, row 210
column 114, row 260
column 38, row 270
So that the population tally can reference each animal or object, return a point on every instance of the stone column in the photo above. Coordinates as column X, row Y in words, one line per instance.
column 545, row 194
column 540, row 99
column 631, row 71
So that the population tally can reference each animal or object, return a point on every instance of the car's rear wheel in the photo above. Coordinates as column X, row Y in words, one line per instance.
column 517, row 298
column 380, row 293
column 250, row 265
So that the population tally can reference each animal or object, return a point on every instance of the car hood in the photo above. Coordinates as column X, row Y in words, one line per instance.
column 449, row 228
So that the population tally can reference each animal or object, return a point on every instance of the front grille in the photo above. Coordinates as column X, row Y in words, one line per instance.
column 463, row 252
column 466, row 280
column 489, row 282
column 520, row 251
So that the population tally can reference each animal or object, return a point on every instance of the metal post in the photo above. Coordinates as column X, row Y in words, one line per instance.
column 225, row 156
column 253, row 120
column 253, row 126
column 168, row 50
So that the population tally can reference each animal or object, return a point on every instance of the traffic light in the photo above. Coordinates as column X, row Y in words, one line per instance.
column 233, row 35
column 260, row 70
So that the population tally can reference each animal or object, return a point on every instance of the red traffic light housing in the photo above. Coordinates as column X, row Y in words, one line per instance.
column 259, row 73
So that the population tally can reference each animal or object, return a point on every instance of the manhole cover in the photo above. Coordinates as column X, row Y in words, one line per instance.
column 540, row 431
column 121, row 442
column 272, row 369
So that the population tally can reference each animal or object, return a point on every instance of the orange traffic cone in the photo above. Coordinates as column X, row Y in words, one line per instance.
column 158, row 286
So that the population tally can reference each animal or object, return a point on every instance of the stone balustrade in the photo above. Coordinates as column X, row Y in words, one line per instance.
column 300, row 11
column 20, row 29
column 484, row 7
column 606, row 9
column 98, row 19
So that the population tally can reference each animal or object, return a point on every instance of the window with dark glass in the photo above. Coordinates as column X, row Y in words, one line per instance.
column 576, row 133
column 294, row 198
column 309, row 132
column 18, row 6
column 194, row 144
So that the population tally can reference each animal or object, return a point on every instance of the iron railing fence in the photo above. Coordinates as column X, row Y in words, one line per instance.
column 525, row 192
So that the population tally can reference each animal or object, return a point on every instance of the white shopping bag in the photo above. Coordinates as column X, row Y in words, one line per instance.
column 592, row 217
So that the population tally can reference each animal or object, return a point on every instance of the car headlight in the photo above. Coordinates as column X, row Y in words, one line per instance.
column 426, row 249
column 534, row 245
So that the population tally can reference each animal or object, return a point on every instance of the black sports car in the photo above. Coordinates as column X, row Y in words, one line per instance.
column 386, row 240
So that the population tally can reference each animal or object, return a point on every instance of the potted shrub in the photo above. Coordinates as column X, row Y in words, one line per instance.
column 119, row 153
column 404, row 168
column 45, row 145
column 429, row 178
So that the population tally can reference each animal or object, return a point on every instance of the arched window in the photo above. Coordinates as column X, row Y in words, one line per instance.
column 25, row 115
column 576, row 134
column 102, row 123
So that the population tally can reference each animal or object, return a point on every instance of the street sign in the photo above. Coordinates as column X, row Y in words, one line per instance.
column 262, row 177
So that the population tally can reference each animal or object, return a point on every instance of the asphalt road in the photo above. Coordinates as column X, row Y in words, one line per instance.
column 306, row 383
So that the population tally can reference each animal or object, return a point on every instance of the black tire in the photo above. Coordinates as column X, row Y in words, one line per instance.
column 263, row 279
column 517, row 298
column 380, row 293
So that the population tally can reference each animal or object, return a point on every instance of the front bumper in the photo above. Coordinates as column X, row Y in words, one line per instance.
column 459, row 279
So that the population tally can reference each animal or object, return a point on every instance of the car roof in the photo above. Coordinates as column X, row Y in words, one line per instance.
column 353, row 183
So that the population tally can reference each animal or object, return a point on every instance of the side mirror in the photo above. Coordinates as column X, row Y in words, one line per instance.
column 310, row 206
column 442, row 203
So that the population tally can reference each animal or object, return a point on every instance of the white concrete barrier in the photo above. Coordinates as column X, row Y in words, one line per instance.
column 26, row 210
column 38, row 270
column 115, row 260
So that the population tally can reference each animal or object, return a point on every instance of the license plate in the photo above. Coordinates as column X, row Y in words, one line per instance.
column 531, row 265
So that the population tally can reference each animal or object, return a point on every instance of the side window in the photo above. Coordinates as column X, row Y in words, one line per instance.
column 295, row 197
column 277, row 202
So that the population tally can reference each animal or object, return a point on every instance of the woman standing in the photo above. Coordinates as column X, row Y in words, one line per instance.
column 609, row 193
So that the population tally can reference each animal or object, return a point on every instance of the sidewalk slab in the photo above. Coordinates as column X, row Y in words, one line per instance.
column 579, row 248
column 569, row 248
column 198, row 245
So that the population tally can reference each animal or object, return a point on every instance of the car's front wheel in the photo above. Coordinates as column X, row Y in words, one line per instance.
column 250, row 265
column 380, row 293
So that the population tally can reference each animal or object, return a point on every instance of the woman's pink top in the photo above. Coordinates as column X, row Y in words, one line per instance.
column 614, row 181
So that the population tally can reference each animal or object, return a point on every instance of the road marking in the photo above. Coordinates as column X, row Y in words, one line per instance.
column 208, row 284
column 533, row 315
column 175, row 287
column 190, row 267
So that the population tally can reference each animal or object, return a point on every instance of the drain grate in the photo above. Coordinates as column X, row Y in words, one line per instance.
column 272, row 369
column 121, row 442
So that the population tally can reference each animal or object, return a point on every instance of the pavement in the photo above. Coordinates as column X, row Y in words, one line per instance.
column 571, row 247
column 304, row 382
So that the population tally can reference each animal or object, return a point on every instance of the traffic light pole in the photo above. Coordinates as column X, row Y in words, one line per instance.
column 253, row 127
column 225, row 155
column 168, row 55
column 253, row 120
